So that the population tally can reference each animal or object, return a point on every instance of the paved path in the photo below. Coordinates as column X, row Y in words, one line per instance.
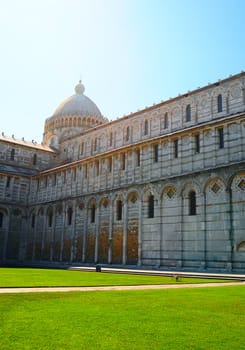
column 106, row 288
column 132, row 271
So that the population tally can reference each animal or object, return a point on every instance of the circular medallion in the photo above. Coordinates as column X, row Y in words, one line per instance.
column 235, row 91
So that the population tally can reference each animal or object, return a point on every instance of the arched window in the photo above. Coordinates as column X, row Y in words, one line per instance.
column 74, row 174
column 165, row 120
column 119, row 210
column 241, row 247
column 219, row 103
column 33, row 219
column 127, row 133
column 81, row 148
column 50, row 218
column 197, row 143
column 151, row 206
column 34, row 159
column 155, row 153
column 95, row 144
column 97, row 168
column 137, row 157
column 110, row 164
column 92, row 214
column 85, row 171
column 188, row 113
column 54, row 178
column 12, row 154
column 221, row 137
column 111, row 139
column 8, row 181
column 192, row 203
column 176, row 149
column 1, row 220
column 69, row 216
column 146, row 127
column 123, row 161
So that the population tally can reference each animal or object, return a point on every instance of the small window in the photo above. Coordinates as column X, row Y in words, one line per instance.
column 192, row 203
column 97, row 168
column 34, row 159
column 221, row 137
column 8, row 181
column 64, row 177
column 1, row 220
column 119, row 210
column 111, row 139
column 33, row 219
column 146, row 127
column 155, row 151
column 74, row 174
column 219, row 103
column 188, row 113
column 137, row 157
column 165, row 120
column 69, row 216
column 54, row 180
column 92, row 214
column 12, row 154
column 85, row 171
column 95, row 144
column 110, row 164
column 127, row 133
column 151, row 206
column 197, row 143
column 50, row 218
column 123, row 161
column 81, row 148
column 176, row 148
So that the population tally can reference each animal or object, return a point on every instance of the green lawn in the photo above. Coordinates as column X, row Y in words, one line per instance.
column 195, row 319
column 28, row 277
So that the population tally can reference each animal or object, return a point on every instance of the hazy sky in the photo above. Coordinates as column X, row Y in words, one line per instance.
column 129, row 54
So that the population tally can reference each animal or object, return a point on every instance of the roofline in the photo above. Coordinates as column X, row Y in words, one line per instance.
column 160, row 104
column 28, row 144
column 142, row 142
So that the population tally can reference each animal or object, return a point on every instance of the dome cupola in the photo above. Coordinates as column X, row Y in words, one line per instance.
column 78, row 104
column 76, row 114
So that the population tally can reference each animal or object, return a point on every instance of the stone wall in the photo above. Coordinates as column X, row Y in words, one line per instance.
column 163, row 187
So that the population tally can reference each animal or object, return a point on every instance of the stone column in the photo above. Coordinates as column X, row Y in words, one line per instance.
column 212, row 107
column 53, row 235
column 140, row 233
column 97, row 227
column 85, row 232
column 203, row 228
column 34, row 235
column 125, row 230
column 112, row 170
column 181, row 263
column 231, row 234
column 6, row 232
column 62, row 231
column 43, row 232
column 110, row 232
column 73, row 233
column 23, row 239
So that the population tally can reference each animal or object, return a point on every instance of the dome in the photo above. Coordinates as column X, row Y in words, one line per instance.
column 72, row 117
column 78, row 104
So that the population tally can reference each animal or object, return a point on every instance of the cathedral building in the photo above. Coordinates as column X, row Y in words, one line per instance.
column 163, row 187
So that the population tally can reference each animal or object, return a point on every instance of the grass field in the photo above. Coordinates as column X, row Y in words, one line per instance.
column 28, row 277
column 196, row 319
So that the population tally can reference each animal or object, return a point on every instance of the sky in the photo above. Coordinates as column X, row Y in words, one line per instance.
column 128, row 53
